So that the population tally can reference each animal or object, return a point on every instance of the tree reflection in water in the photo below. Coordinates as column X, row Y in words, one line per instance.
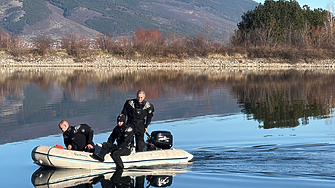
column 280, row 100
column 274, row 98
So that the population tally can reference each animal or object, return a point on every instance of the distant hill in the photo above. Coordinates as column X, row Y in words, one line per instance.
column 57, row 18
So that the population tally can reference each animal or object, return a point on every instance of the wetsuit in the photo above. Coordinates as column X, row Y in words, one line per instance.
column 124, row 135
column 79, row 136
column 139, row 116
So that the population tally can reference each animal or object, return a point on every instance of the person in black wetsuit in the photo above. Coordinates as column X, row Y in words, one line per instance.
column 124, row 135
column 139, row 113
column 79, row 138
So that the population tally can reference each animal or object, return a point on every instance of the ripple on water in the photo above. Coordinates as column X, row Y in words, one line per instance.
column 276, row 160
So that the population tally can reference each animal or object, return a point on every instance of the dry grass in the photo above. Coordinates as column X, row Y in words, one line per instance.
column 174, row 49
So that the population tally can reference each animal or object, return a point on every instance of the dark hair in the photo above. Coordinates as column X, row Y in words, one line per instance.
column 61, row 122
column 139, row 92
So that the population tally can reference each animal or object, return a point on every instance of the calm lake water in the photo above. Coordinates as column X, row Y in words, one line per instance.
column 244, row 128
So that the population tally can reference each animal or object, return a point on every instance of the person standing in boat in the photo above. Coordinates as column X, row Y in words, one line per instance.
column 124, row 135
column 139, row 113
column 79, row 137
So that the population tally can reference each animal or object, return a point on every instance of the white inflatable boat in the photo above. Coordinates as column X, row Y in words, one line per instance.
column 48, row 156
column 62, row 158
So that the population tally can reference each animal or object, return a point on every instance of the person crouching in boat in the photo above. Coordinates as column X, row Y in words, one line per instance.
column 79, row 137
column 123, row 133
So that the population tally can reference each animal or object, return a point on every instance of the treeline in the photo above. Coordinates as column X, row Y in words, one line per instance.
column 275, row 29
column 148, row 43
column 152, row 43
column 284, row 29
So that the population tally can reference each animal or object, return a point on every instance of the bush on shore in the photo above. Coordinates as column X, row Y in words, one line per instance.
column 160, row 48
column 282, row 29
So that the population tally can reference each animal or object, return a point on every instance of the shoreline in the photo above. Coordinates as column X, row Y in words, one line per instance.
column 108, row 61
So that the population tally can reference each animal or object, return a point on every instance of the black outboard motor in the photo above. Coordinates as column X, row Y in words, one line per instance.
column 160, row 140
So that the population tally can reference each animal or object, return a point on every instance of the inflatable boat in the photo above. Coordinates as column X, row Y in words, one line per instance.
column 48, row 156
column 52, row 177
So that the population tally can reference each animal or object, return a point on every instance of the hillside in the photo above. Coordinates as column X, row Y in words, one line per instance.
column 57, row 18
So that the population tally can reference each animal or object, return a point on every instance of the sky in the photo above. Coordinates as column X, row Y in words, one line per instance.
column 311, row 3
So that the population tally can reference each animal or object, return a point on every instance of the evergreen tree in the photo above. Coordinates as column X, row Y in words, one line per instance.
column 279, row 17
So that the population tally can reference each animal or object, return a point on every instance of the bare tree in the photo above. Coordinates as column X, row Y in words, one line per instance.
column 209, row 29
column 13, row 45
column 74, row 45
column 3, row 39
column 43, row 44
column 330, row 23
column 104, row 41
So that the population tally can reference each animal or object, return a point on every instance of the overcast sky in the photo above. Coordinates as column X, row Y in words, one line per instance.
column 311, row 3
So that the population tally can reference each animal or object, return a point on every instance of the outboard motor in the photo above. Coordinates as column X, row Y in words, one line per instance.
column 160, row 140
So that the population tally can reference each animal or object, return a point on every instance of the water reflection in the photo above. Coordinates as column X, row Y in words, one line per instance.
column 107, row 178
column 96, row 97
column 34, row 100
column 282, row 100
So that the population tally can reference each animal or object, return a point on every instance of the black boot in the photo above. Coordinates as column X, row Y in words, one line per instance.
column 99, row 157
